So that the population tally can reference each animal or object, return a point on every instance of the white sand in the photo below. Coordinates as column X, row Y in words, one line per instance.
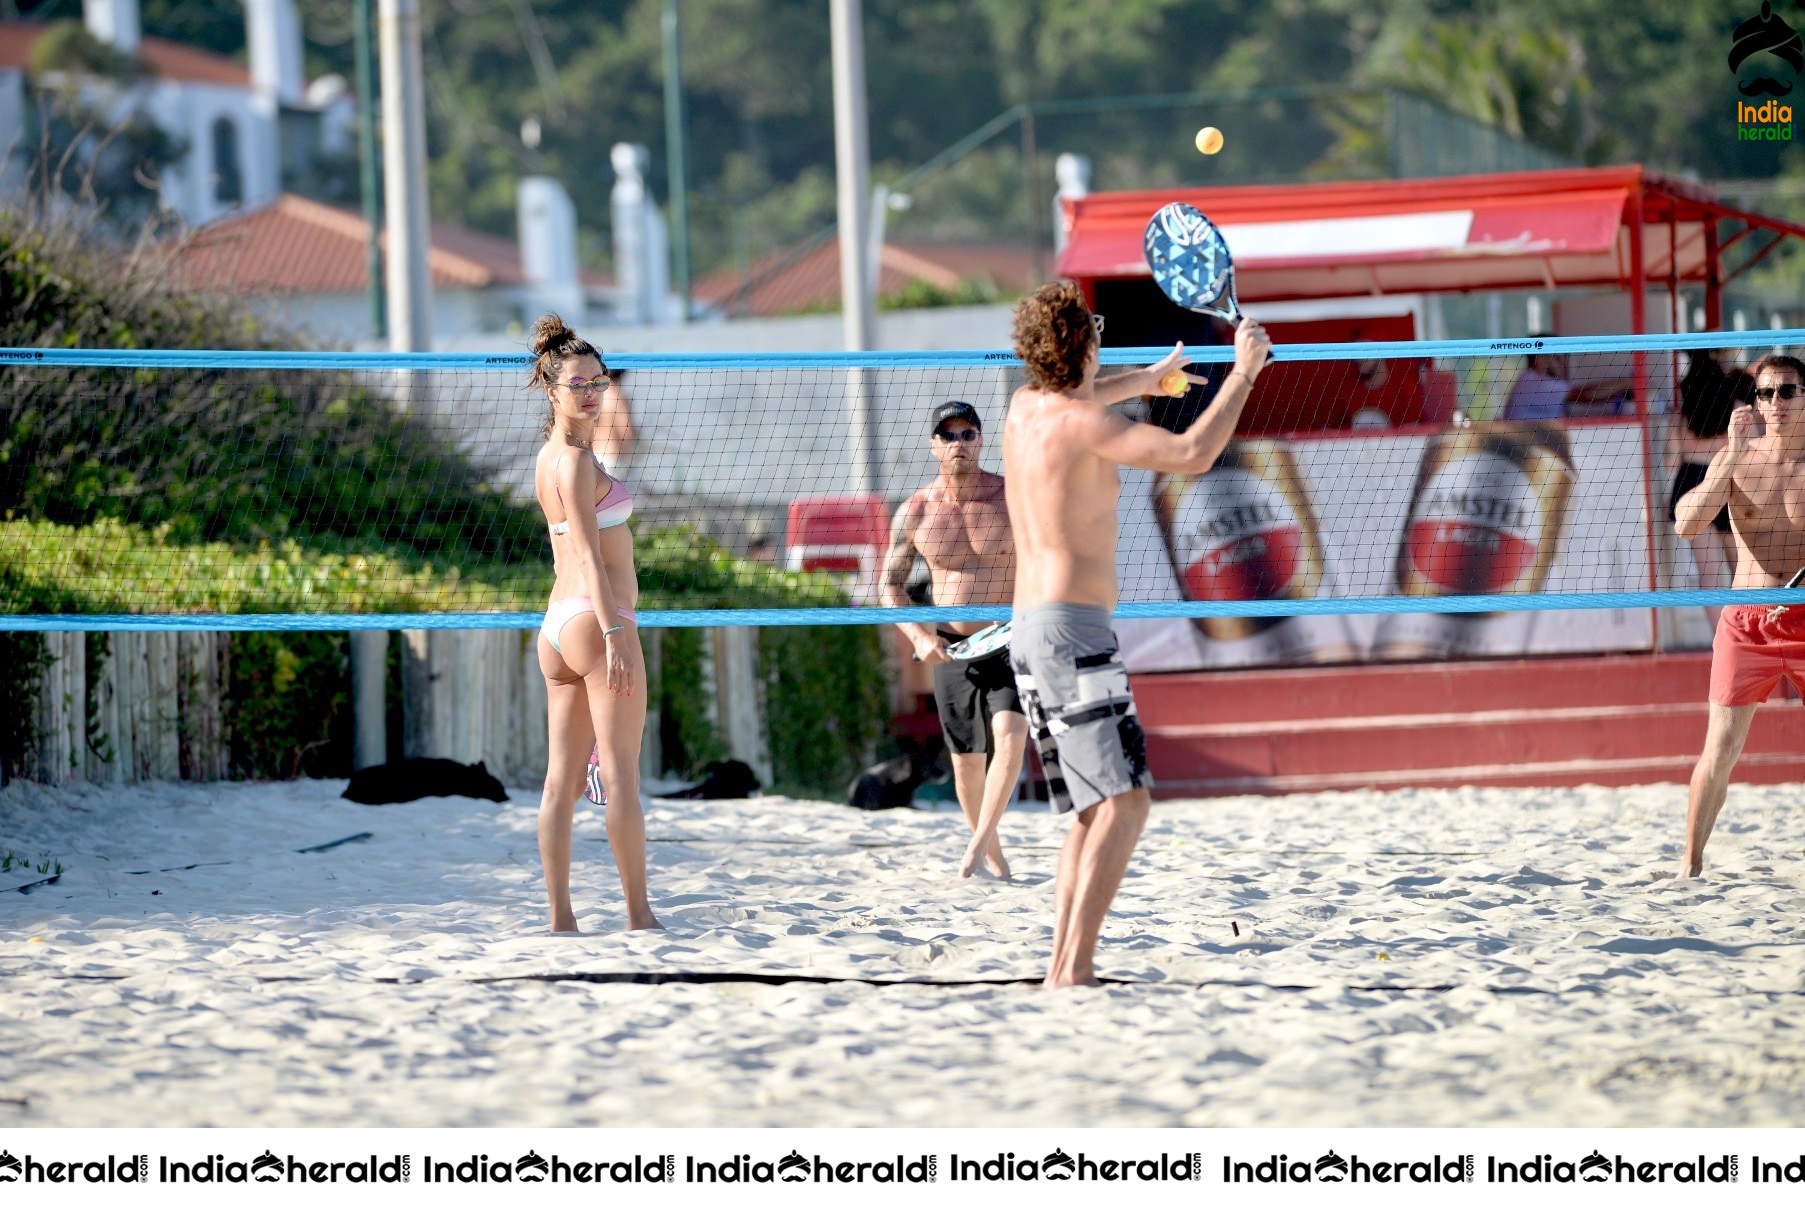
column 1479, row 957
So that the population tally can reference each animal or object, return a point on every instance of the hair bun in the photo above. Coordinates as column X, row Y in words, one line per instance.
column 549, row 333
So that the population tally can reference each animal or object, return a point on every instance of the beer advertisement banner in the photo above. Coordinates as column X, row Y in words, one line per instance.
column 1488, row 508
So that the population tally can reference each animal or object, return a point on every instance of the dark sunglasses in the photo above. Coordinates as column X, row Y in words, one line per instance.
column 1785, row 393
column 963, row 435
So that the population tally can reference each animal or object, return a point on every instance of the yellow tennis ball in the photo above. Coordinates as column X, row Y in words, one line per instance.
column 1174, row 383
column 1209, row 140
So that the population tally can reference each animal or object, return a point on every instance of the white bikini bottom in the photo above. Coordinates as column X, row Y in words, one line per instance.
column 567, row 609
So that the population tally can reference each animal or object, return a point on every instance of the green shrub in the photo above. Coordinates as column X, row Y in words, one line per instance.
column 290, row 704
column 197, row 491
column 23, row 658
column 824, row 686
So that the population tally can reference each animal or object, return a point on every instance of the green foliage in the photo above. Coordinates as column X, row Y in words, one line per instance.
column 23, row 659
column 289, row 701
column 825, row 705
column 1589, row 78
column 97, row 143
column 687, row 733
column 291, row 704
column 197, row 452
column 108, row 568
column 920, row 294
column 67, row 46
column 12, row 859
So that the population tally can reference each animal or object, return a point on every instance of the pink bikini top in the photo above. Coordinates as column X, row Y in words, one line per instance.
column 615, row 508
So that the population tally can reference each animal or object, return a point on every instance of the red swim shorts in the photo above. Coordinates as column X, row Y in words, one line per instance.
column 1755, row 647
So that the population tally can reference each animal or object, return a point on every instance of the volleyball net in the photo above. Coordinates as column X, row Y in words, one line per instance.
column 1404, row 499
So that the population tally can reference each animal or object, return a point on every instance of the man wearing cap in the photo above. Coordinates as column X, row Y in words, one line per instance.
column 959, row 524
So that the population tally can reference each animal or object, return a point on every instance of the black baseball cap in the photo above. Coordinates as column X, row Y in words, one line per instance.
column 946, row 412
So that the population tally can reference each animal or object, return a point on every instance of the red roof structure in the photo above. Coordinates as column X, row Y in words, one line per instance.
column 1614, row 227
column 296, row 245
column 785, row 282
column 162, row 58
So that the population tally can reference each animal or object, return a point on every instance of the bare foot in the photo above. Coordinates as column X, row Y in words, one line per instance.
column 992, row 860
column 1690, row 870
column 647, row 921
column 1059, row 980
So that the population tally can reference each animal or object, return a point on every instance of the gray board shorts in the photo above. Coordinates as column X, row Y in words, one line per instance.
column 1074, row 690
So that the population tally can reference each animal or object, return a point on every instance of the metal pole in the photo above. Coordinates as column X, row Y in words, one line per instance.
column 370, row 170
column 1651, row 491
column 410, row 289
column 1031, row 191
column 369, row 650
column 676, row 154
column 853, row 171
column 404, row 168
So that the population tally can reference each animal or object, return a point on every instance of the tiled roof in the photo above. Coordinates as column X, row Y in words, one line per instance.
column 163, row 59
column 787, row 281
column 295, row 245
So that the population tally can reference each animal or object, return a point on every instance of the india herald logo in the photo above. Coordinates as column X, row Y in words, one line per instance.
column 1766, row 35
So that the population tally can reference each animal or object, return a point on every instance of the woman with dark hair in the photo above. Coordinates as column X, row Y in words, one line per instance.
column 1707, row 396
column 589, row 642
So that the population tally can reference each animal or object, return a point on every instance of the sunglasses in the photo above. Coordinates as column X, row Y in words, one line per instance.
column 963, row 435
column 588, row 388
column 1785, row 393
column 1097, row 321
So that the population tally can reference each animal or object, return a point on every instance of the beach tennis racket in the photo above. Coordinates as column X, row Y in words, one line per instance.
column 1190, row 261
column 980, row 644
column 593, row 790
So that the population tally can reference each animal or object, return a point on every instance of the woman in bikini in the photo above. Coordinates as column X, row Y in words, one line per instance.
column 589, row 643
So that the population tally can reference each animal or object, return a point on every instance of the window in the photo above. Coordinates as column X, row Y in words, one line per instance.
column 228, row 178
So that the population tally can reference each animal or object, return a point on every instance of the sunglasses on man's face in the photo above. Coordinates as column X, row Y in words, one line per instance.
column 1785, row 393
column 962, row 435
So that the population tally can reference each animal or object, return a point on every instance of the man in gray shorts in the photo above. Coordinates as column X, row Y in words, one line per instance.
column 1062, row 446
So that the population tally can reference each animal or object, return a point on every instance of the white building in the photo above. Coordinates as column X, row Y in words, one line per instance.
column 247, row 193
column 243, row 129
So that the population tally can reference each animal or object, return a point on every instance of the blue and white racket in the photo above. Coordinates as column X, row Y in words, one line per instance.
column 1190, row 261
column 980, row 644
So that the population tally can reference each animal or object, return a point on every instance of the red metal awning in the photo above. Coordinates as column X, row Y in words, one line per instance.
column 1520, row 230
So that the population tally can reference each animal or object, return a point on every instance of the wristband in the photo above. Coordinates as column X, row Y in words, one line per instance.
column 607, row 632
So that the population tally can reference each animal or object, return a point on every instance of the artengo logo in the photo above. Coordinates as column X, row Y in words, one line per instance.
column 21, row 355
column 1517, row 345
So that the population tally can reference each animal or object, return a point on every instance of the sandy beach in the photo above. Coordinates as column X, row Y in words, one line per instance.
column 1417, row 958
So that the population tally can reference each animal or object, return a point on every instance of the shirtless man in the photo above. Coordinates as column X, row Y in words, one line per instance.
column 959, row 526
column 1761, row 476
column 1062, row 446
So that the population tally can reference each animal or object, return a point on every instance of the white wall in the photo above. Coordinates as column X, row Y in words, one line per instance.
column 12, row 129
column 189, row 110
column 343, row 319
column 949, row 328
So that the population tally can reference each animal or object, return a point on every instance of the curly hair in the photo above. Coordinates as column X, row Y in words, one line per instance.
column 1780, row 363
column 1053, row 335
column 554, row 343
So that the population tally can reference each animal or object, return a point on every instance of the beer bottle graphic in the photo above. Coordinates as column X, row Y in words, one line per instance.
column 1248, row 530
column 1486, row 517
